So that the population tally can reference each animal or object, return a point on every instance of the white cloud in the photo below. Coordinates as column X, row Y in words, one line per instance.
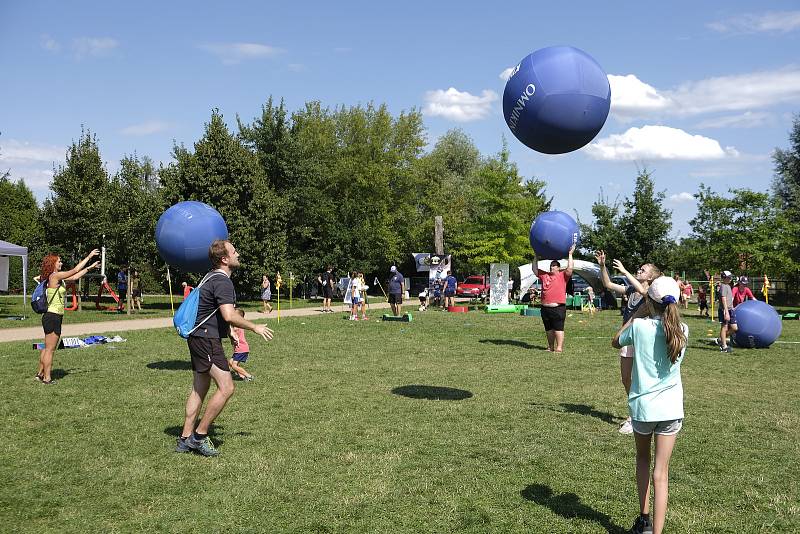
column 773, row 21
column 681, row 198
column 658, row 142
column 145, row 128
column 15, row 152
column 506, row 74
column 459, row 106
column 297, row 67
column 748, row 119
column 232, row 53
column 738, row 92
column 32, row 163
column 93, row 46
column 50, row 44
column 631, row 97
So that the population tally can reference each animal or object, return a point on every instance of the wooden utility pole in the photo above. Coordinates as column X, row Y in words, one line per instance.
column 438, row 235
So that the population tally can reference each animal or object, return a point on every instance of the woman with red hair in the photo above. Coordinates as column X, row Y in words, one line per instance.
column 56, row 295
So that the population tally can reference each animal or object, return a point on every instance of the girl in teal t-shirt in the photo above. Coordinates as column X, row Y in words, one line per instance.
column 656, row 395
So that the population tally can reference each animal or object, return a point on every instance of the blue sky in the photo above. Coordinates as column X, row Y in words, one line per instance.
column 702, row 92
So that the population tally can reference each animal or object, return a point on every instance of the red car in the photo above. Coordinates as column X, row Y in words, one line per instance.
column 474, row 286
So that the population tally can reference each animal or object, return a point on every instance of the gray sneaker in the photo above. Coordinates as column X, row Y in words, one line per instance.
column 182, row 446
column 205, row 447
column 642, row 526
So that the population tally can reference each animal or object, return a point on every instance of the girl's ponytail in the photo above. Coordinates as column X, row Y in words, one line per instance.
column 673, row 330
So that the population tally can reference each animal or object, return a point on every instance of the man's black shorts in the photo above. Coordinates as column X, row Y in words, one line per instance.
column 327, row 292
column 206, row 351
column 51, row 323
column 553, row 317
column 395, row 298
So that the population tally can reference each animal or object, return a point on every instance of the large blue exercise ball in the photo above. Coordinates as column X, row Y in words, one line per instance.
column 556, row 99
column 552, row 235
column 185, row 231
column 759, row 324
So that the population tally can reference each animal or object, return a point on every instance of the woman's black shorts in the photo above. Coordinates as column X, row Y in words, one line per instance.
column 553, row 317
column 51, row 322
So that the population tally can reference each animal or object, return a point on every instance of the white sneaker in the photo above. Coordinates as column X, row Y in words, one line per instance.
column 626, row 427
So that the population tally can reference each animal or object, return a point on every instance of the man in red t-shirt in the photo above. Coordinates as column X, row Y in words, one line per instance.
column 554, row 300
column 741, row 292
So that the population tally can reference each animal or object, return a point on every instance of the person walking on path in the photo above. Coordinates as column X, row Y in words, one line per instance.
column 266, row 294
column 56, row 295
column 216, row 313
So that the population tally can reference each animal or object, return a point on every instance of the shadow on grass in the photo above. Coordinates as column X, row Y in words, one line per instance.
column 582, row 409
column 568, row 506
column 431, row 392
column 512, row 342
column 58, row 374
column 171, row 365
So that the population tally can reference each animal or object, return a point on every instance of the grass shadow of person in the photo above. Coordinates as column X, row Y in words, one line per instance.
column 171, row 365
column 583, row 409
column 568, row 506
column 513, row 343
column 416, row 391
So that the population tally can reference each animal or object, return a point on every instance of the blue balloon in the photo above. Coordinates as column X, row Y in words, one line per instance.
column 759, row 324
column 552, row 235
column 556, row 99
column 185, row 232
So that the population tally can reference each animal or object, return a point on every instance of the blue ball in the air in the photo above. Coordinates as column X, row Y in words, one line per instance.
column 552, row 235
column 759, row 324
column 185, row 232
column 556, row 99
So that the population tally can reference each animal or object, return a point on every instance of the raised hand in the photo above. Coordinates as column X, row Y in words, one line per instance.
column 601, row 257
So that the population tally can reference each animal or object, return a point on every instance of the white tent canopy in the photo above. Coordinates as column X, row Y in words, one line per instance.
column 10, row 249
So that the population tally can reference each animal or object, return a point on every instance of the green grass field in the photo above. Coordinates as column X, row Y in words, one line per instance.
column 337, row 434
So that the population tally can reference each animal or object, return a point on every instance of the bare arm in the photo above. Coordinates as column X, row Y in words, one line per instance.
column 570, row 261
column 631, row 278
column 83, row 271
column 55, row 278
column 607, row 283
column 233, row 318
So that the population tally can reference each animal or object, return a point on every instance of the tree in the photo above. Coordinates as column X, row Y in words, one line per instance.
column 605, row 232
column 499, row 215
column 746, row 232
column 786, row 184
column 20, row 224
column 76, row 216
column 645, row 225
column 224, row 174
column 137, row 206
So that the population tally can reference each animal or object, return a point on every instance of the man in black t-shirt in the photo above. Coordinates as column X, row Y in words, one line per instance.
column 326, row 279
column 215, row 313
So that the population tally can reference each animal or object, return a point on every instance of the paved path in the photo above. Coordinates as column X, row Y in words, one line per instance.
column 71, row 330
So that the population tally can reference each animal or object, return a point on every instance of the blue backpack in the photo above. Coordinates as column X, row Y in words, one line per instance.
column 186, row 316
column 39, row 301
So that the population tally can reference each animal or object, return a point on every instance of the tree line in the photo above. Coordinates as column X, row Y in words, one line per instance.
column 355, row 188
